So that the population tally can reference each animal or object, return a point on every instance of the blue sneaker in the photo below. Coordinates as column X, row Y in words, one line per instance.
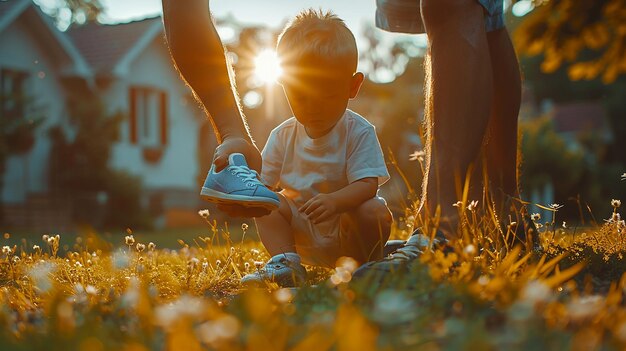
column 400, row 260
column 238, row 184
column 279, row 270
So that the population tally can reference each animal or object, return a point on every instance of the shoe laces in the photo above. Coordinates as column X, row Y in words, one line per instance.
column 249, row 176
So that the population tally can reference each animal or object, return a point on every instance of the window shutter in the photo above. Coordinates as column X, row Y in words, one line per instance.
column 163, row 117
column 133, row 115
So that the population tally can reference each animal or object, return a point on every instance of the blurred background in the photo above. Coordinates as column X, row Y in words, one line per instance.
column 98, row 131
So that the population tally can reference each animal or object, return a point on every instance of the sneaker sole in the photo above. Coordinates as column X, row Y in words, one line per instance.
column 217, row 197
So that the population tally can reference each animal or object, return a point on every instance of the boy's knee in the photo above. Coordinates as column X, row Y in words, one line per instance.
column 283, row 208
column 375, row 210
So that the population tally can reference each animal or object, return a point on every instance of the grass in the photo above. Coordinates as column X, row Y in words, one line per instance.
column 483, row 295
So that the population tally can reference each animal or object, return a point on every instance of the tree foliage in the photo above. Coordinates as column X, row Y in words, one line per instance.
column 586, row 36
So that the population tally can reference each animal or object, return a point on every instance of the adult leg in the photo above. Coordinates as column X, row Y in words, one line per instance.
column 501, row 147
column 365, row 230
column 460, row 97
column 275, row 229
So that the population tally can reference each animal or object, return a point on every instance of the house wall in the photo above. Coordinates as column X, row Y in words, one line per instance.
column 178, row 167
column 23, row 50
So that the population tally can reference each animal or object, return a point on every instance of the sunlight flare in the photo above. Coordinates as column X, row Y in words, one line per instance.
column 267, row 66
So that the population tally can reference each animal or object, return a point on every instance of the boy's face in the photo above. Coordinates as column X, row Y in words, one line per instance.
column 318, row 96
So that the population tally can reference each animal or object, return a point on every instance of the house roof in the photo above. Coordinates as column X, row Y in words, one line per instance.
column 111, row 48
column 10, row 10
column 579, row 116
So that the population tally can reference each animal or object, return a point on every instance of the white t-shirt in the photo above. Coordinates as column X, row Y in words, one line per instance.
column 305, row 167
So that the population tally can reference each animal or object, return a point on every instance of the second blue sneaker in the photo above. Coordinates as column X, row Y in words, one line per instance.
column 238, row 184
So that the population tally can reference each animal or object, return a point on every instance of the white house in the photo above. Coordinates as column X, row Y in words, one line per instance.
column 129, row 67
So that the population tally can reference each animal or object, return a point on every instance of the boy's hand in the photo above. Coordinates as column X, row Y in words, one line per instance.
column 319, row 208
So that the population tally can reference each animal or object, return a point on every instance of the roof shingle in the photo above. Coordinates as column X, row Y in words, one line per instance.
column 103, row 46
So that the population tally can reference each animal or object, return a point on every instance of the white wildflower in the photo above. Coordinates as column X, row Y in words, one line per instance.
column 535, row 217
column 470, row 249
column 417, row 156
column 458, row 204
column 392, row 307
column 585, row 307
column 244, row 226
column 140, row 247
column 185, row 307
column 120, row 259
column 130, row 298
column 151, row 246
column 204, row 213
column 555, row 207
column 472, row 205
column 40, row 275
column 36, row 248
column 536, row 292
column 6, row 250
column 129, row 240
column 616, row 203
column 217, row 330
column 283, row 295
column 91, row 290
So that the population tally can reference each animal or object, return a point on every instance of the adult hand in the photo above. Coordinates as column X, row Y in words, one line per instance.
column 319, row 208
column 229, row 146
column 232, row 145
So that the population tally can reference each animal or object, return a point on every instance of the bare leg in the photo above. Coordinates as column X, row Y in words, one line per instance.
column 501, row 146
column 461, row 91
column 275, row 229
column 367, row 229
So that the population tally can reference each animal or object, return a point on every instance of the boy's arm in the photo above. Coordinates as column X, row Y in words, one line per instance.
column 323, row 206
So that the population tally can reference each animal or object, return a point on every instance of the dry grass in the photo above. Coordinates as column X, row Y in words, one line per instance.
column 482, row 295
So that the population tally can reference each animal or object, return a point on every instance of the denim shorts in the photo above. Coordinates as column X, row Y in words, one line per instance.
column 404, row 15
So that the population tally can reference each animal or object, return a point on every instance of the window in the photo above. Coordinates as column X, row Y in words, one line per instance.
column 12, row 93
column 148, row 117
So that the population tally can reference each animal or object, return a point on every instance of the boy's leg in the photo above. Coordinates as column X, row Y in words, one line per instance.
column 460, row 95
column 275, row 229
column 365, row 230
column 284, row 268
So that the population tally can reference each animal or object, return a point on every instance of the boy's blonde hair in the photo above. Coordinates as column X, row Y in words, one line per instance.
column 314, row 33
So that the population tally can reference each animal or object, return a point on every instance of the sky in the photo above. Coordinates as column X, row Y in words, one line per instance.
column 273, row 13
column 268, row 12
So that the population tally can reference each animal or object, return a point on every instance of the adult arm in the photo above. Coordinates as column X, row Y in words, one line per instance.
column 198, row 55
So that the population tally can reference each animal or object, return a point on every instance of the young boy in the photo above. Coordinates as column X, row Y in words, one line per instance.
column 326, row 159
